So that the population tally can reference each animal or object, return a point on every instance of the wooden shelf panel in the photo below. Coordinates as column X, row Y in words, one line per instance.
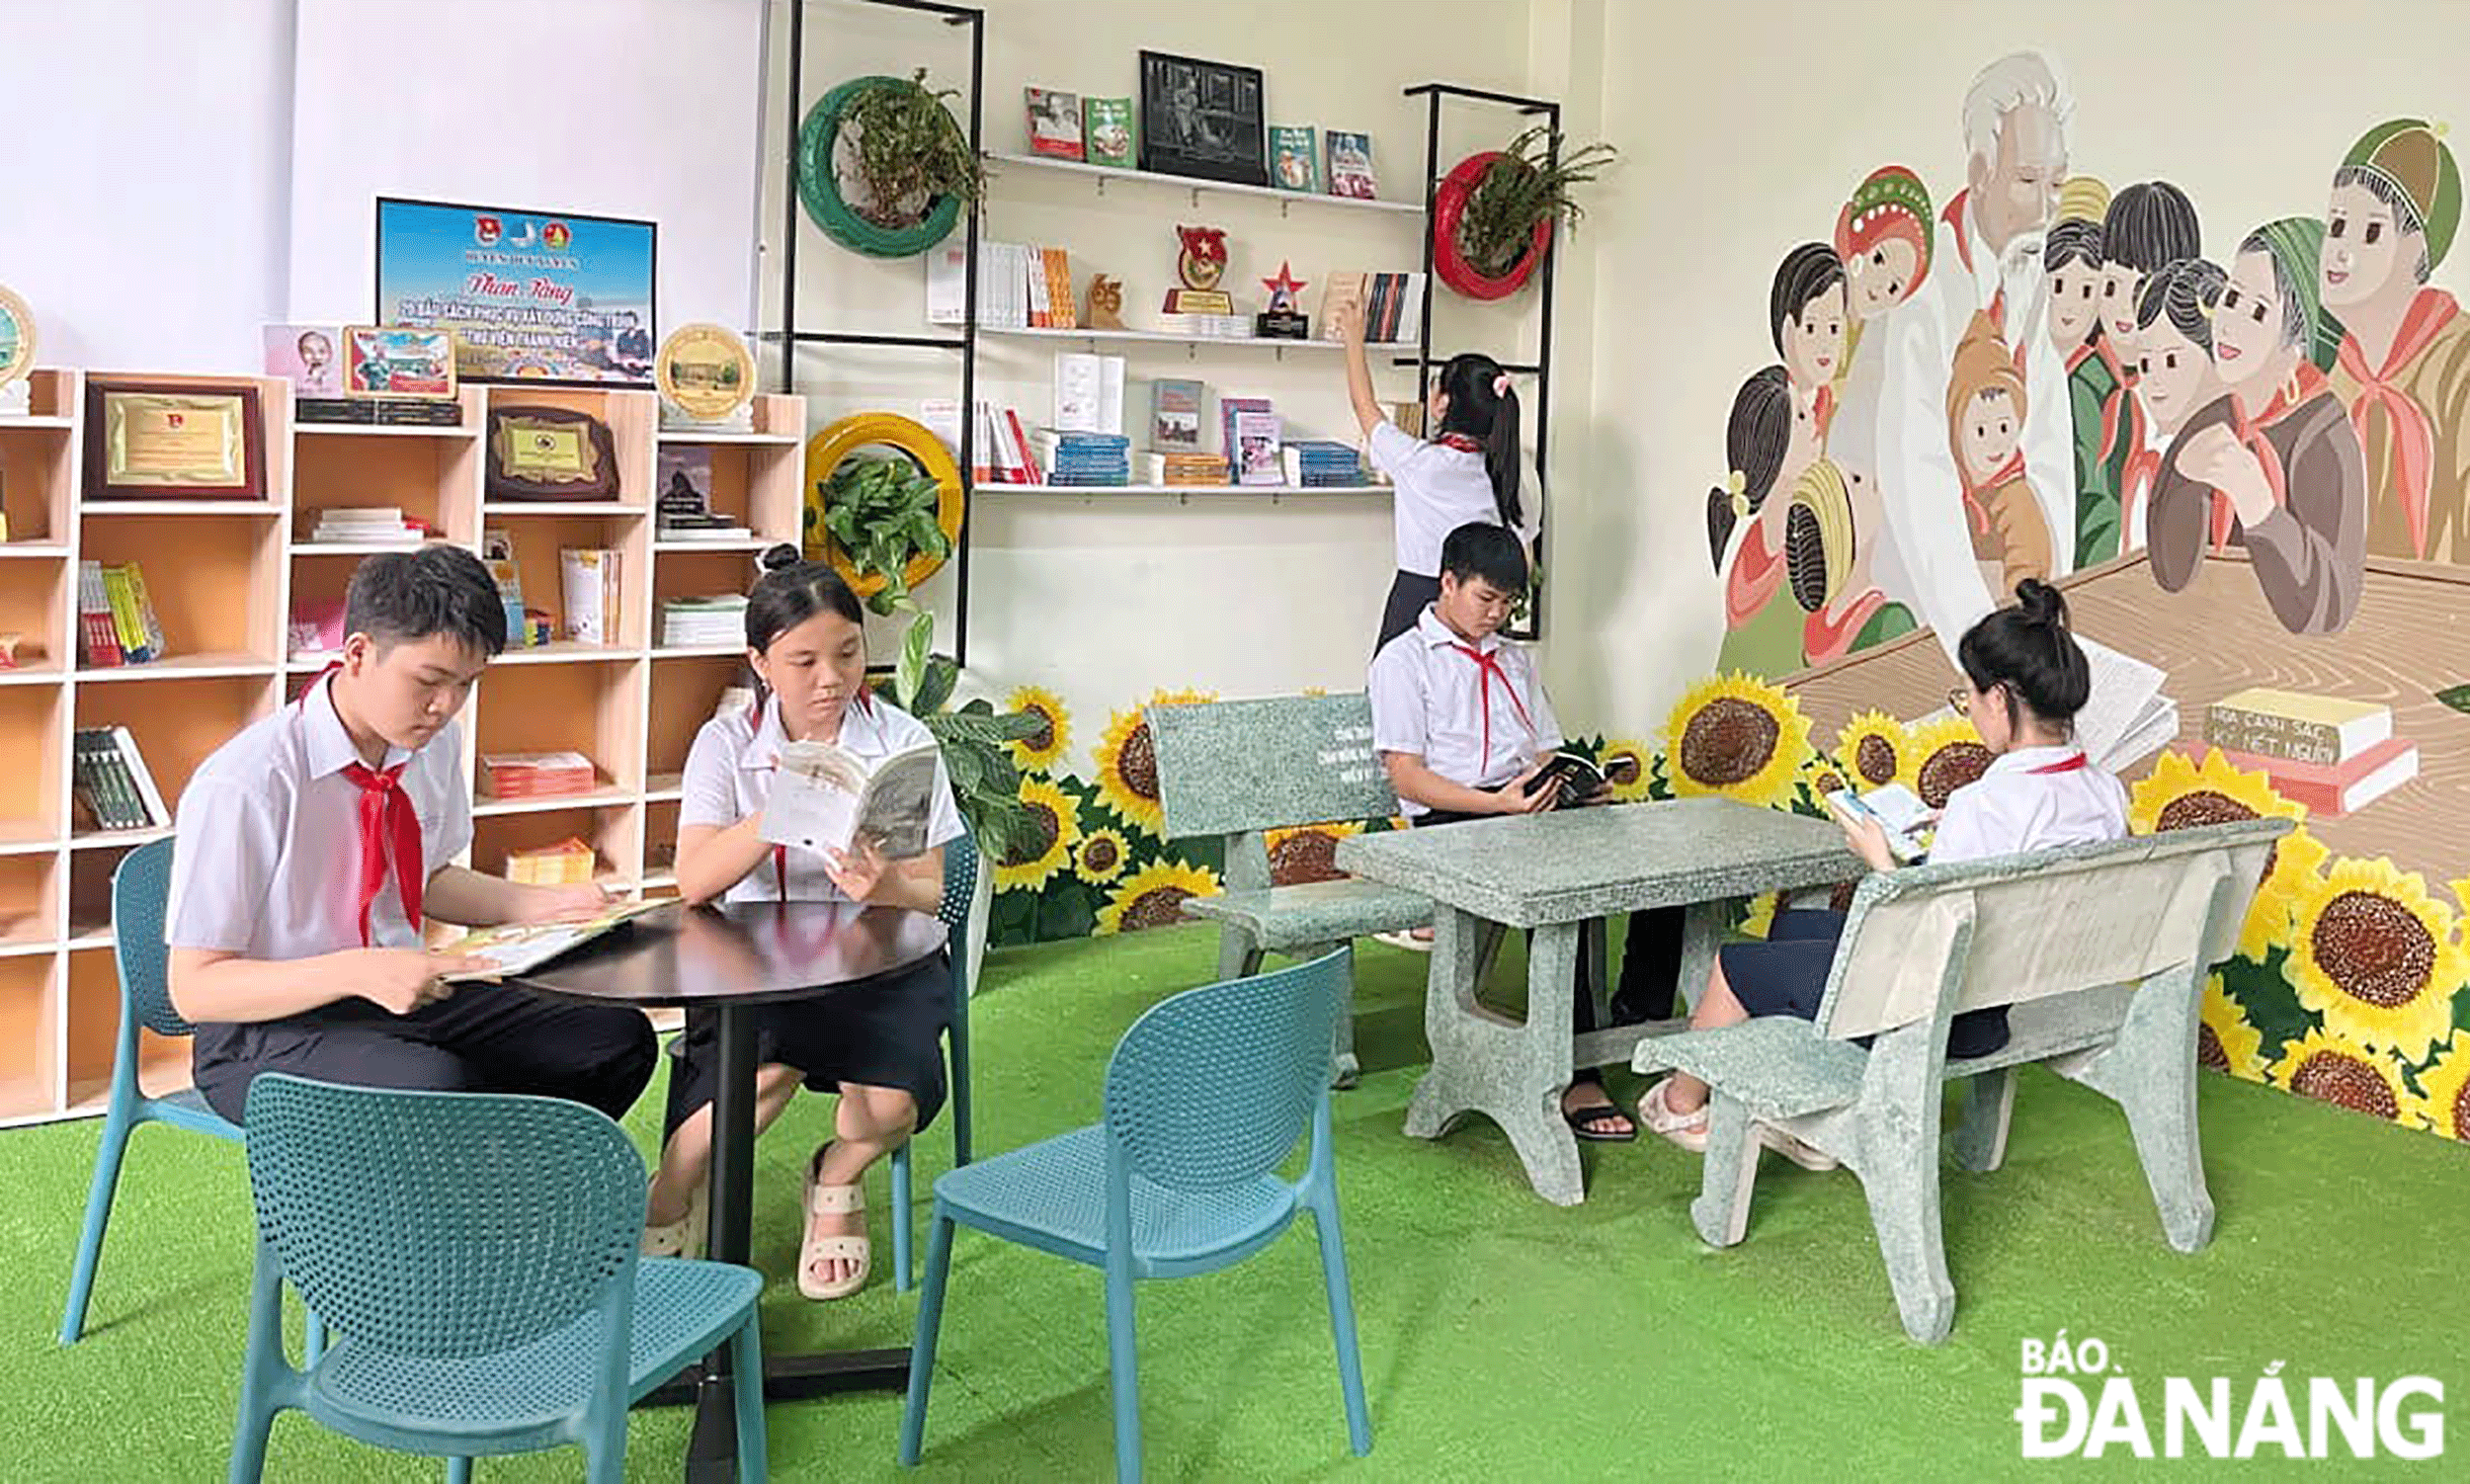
column 733, row 543
column 540, row 567
column 685, row 693
column 43, row 674
column 567, row 653
column 249, row 509
column 178, row 720
column 436, row 480
column 1101, row 175
column 29, row 901
column 94, row 1019
column 214, row 581
column 615, row 833
column 23, row 836
column 33, row 763
column 39, row 453
column 31, row 550
column 104, row 840
column 593, row 710
column 179, row 667
column 29, row 1020
column 496, row 508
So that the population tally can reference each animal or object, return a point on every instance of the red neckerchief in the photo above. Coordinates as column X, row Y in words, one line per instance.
column 1822, row 640
column 1488, row 665
column 1459, row 441
column 2135, row 486
column 386, row 819
column 2413, row 434
column 2004, row 473
column 1823, row 407
column 2286, row 399
column 1755, row 569
column 2071, row 763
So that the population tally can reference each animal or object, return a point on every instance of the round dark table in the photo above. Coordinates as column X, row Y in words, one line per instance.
column 726, row 960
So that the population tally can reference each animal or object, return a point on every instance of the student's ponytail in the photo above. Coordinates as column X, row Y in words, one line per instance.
column 1500, row 454
column 1484, row 408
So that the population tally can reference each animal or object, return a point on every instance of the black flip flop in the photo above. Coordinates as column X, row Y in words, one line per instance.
column 1579, row 1120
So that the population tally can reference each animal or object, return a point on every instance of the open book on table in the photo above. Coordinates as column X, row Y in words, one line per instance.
column 824, row 798
column 519, row 947
column 1899, row 811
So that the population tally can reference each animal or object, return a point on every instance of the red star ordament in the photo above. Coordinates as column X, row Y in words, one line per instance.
column 1283, row 287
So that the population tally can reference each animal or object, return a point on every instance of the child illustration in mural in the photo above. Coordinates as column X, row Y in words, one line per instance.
column 1805, row 318
column 1831, row 532
column 1883, row 239
column 2273, row 463
column 1986, row 407
column 2148, row 225
column 1769, row 441
column 2099, row 404
column 2175, row 376
column 2403, row 366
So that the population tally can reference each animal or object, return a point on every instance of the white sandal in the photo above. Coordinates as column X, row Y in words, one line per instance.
column 1656, row 1115
column 831, row 1200
column 683, row 1237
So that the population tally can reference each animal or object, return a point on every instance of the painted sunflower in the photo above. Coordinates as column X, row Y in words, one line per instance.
column 1822, row 775
column 1944, row 756
column 1309, row 852
column 2293, row 871
column 1737, row 737
column 1102, row 855
column 2224, row 1039
column 1875, row 747
column 2179, row 794
column 2375, row 956
column 1042, row 750
column 2331, row 1068
column 1762, row 918
column 1127, row 762
column 1154, row 896
column 1043, row 846
column 1628, row 766
column 2445, row 1105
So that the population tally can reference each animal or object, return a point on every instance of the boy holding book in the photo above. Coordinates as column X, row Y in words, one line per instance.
column 312, row 847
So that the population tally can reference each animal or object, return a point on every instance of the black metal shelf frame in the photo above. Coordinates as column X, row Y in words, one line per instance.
column 1434, row 94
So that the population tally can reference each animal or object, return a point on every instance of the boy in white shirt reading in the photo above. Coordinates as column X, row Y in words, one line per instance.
column 1463, row 725
column 312, row 847
column 2024, row 680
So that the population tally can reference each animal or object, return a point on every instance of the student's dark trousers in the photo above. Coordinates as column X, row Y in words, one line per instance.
column 482, row 1038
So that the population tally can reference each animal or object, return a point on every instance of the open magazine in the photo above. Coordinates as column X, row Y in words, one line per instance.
column 823, row 798
column 518, row 948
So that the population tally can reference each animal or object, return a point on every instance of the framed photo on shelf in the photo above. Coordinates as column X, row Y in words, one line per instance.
column 1201, row 120
column 169, row 439
column 540, row 296
column 309, row 357
column 393, row 361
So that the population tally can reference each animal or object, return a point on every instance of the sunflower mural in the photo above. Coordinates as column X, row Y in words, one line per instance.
column 2225, row 1040
column 1944, row 754
column 1736, row 737
column 1042, row 750
column 1309, row 852
column 2294, row 869
column 2376, row 957
column 1154, row 896
column 1876, row 749
column 1043, row 846
column 2331, row 1068
column 1127, row 762
column 1102, row 855
column 2179, row 794
column 1628, row 766
column 2442, row 1103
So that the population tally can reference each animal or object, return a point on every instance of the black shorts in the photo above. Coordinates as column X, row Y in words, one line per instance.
column 884, row 1032
column 1788, row 975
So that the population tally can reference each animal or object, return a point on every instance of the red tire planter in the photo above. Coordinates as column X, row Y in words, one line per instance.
column 1449, row 207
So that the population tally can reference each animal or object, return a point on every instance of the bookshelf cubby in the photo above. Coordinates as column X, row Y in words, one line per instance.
column 224, row 577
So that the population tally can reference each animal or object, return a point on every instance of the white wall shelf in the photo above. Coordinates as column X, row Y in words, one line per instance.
column 1101, row 174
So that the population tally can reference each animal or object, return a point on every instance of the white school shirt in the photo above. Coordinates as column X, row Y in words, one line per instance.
column 268, row 860
column 1436, row 490
column 728, row 777
column 2011, row 808
column 1429, row 699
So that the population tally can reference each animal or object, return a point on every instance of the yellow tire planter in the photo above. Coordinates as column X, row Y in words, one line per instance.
column 861, row 430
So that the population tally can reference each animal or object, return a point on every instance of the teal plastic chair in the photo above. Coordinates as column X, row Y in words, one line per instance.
column 1205, row 1097
column 960, row 882
column 141, row 886
column 476, row 1253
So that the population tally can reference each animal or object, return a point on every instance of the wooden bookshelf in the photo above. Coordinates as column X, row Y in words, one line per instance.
column 224, row 576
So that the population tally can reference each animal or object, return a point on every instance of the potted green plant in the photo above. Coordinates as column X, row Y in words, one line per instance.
column 1494, row 214
column 895, row 142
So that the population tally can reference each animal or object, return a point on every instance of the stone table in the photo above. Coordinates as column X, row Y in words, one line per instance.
column 1554, row 873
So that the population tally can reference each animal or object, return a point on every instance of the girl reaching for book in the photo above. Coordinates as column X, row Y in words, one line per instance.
column 878, row 1046
column 1471, row 470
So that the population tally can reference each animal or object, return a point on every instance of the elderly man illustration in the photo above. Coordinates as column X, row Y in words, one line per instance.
column 1989, row 262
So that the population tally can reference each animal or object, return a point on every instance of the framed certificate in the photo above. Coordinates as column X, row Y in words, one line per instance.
column 393, row 361
column 550, row 454
column 160, row 439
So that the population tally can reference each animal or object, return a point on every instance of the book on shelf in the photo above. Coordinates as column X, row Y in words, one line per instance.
column 538, row 775
column 1250, row 425
column 112, row 783
column 1175, row 407
column 695, row 623
column 509, row 588
column 941, row 416
column 1322, row 463
column 1351, row 164
column 1083, row 458
column 1089, row 393
column 1188, row 468
column 140, row 632
column 590, row 583
column 316, row 626
column 2321, row 729
column 519, row 947
column 10, row 639
column 682, row 482
column 366, row 524
column 1054, row 118
column 1295, row 158
column 1209, row 326
column 824, row 797
column 568, row 863
column 1020, row 287
column 2338, row 787
column 1392, row 305
column 98, row 636
column 1106, row 131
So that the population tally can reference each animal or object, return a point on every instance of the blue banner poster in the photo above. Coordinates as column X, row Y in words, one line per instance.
column 531, row 296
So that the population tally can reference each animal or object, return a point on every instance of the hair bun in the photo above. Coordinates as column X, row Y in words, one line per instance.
column 2041, row 604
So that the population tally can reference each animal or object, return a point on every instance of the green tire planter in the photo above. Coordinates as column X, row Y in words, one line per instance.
column 819, row 189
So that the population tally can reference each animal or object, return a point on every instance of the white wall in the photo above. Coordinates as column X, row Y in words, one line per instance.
column 1741, row 144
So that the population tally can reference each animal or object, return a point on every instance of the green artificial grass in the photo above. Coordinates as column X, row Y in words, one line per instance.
column 1502, row 1338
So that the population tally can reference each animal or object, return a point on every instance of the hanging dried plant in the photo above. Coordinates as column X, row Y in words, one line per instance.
column 1527, row 184
column 909, row 150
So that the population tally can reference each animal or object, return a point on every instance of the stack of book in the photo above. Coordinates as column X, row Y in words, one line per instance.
column 1250, row 425
column 1186, row 468
column 1393, row 305
column 1084, row 459
column 1320, row 463
column 1002, row 453
column 112, row 783
column 2332, row 755
column 367, row 526
column 697, row 622
column 116, row 619
column 568, row 863
column 702, row 528
column 1019, row 288
column 538, row 775
column 1208, row 326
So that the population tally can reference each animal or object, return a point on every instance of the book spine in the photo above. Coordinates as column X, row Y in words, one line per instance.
column 128, row 809
column 2271, row 735
column 1061, row 311
column 145, row 601
column 94, row 614
column 125, row 628
column 153, row 811
column 1031, row 474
